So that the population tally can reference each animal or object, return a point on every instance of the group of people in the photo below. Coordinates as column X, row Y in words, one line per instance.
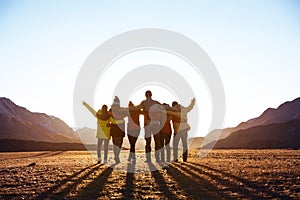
column 157, row 123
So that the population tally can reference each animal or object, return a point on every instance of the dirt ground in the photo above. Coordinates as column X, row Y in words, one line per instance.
column 222, row 174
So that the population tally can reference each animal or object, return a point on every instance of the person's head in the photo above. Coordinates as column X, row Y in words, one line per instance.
column 174, row 103
column 130, row 104
column 104, row 108
column 148, row 94
column 116, row 100
column 103, row 113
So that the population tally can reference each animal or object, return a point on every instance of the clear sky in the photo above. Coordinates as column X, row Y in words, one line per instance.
column 254, row 44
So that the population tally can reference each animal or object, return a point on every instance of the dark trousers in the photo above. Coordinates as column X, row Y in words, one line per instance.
column 165, row 140
column 152, row 129
column 117, row 141
column 132, row 137
column 117, row 133
column 158, row 147
column 181, row 135
column 99, row 146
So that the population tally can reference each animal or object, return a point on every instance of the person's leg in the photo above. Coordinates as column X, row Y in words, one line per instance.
column 162, row 141
column 148, row 143
column 157, row 146
column 134, row 139
column 99, row 145
column 119, row 142
column 117, row 159
column 115, row 147
column 131, row 141
column 184, row 146
column 167, row 145
column 175, row 146
column 157, row 142
column 114, row 142
column 106, row 142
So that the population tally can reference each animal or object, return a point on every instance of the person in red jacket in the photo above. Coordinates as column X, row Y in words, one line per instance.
column 133, row 131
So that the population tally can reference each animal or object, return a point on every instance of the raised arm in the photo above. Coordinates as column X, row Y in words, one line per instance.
column 190, row 107
column 89, row 108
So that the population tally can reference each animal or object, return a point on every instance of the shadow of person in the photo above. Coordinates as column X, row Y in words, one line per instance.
column 128, row 189
column 56, row 191
column 159, row 179
column 94, row 188
column 194, row 187
column 245, row 187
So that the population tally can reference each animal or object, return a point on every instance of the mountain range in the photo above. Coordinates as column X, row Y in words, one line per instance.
column 19, row 123
column 274, row 128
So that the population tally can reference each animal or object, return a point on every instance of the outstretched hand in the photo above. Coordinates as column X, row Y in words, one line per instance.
column 193, row 100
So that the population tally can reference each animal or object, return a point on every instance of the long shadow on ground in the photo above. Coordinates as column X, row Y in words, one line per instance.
column 129, row 186
column 75, row 179
column 95, row 187
column 195, row 187
column 245, row 187
column 159, row 179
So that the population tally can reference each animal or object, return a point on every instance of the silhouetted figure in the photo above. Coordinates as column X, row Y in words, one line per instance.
column 152, row 116
column 181, row 127
column 166, row 133
column 133, row 131
column 103, row 129
column 117, row 129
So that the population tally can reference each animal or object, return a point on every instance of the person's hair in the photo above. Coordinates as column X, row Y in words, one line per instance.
column 116, row 100
column 104, row 108
column 104, row 113
column 174, row 103
column 148, row 93
column 130, row 104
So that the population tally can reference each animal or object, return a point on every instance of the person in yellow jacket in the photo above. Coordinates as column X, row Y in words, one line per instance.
column 103, row 129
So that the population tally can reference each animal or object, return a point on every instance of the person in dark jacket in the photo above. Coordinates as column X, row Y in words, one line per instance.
column 117, row 127
column 152, row 114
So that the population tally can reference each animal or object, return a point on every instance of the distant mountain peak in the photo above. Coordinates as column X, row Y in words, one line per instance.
column 287, row 111
column 17, row 122
column 287, row 103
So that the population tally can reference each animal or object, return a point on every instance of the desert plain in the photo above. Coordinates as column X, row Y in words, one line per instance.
column 221, row 174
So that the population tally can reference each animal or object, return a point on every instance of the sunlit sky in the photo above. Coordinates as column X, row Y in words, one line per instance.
column 255, row 46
